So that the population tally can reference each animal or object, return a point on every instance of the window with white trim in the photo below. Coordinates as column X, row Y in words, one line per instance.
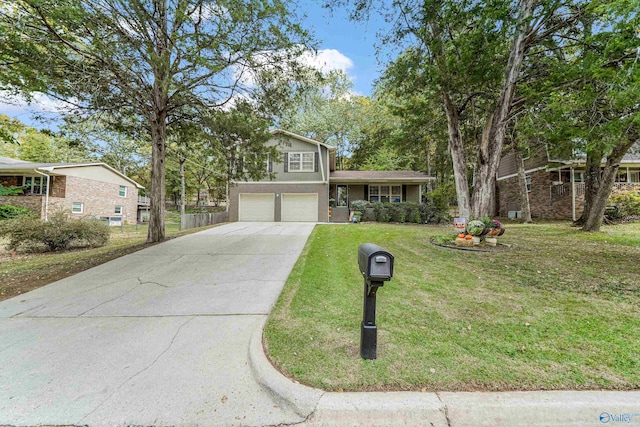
column 385, row 193
column 123, row 191
column 35, row 185
column 118, row 210
column 77, row 207
column 302, row 162
column 527, row 180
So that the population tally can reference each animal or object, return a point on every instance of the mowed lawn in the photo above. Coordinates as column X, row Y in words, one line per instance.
column 558, row 309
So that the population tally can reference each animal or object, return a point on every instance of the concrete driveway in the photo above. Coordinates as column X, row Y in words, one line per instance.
column 158, row 337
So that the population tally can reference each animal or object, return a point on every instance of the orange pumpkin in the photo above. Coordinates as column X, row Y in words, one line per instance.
column 468, row 237
column 461, row 236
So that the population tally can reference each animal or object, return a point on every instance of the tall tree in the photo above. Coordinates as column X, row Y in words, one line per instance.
column 146, row 59
column 591, row 104
column 470, row 56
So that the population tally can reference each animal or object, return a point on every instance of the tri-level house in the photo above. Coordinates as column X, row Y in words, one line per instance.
column 306, row 185
column 555, row 185
column 82, row 189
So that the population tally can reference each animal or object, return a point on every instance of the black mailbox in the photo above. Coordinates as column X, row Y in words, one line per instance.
column 375, row 263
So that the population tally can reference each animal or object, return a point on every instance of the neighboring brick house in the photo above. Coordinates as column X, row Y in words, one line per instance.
column 82, row 189
column 555, row 186
column 305, row 180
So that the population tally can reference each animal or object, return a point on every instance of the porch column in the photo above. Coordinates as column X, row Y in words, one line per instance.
column 573, row 195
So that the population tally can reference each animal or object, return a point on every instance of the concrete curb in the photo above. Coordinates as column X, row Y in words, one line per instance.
column 301, row 399
column 519, row 408
column 380, row 409
column 543, row 408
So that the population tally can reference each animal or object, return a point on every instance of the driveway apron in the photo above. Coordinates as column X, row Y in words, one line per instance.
column 158, row 337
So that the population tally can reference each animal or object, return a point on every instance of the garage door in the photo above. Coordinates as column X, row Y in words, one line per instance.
column 300, row 207
column 256, row 207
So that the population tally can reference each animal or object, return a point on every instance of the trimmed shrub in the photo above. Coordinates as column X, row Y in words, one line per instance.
column 627, row 204
column 10, row 212
column 399, row 212
column 59, row 233
column 359, row 206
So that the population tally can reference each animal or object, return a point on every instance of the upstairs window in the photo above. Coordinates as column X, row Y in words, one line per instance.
column 301, row 162
column 528, row 182
column 123, row 191
column 118, row 210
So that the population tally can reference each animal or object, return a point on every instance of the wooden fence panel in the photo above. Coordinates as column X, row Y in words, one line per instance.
column 188, row 221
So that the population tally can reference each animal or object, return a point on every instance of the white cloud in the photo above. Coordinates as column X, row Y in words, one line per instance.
column 324, row 60
column 327, row 60
column 41, row 105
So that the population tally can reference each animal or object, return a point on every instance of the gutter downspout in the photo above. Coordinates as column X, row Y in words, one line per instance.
column 46, row 197
column 321, row 163
column 323, row 176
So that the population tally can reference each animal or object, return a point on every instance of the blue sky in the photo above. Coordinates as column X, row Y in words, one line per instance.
column 355, row 40
column 341, row 44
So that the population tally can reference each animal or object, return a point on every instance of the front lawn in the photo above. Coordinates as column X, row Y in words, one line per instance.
column 559, row 309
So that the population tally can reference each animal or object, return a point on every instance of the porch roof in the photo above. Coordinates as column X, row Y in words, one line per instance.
column 20, row 167
column 378, row 177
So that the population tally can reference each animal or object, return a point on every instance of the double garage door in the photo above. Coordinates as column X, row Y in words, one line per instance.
column 301, row 207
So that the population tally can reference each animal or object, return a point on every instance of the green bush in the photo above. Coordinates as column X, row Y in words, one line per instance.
column 627, row 204
column 399, row 212
column 359, row 206
column 9, row 212
column 59, row 233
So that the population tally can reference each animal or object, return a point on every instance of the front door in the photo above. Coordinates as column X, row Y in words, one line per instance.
column 343, row 195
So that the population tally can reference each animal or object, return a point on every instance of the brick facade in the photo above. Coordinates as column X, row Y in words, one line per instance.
column 33, row 203
column 546, row 200
column 98, row 198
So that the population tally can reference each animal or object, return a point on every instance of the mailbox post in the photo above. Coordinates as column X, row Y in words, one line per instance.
column 376, row 266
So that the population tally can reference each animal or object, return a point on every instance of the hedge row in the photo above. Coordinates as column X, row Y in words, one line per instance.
column 406, row 212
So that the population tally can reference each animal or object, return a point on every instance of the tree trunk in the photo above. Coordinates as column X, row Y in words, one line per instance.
column 593, row 178
column 457, row 155
column 157, row 191
column 182, row 187
column 600, row 194
column 158, row 124
column 522, row 187
column 492, row 144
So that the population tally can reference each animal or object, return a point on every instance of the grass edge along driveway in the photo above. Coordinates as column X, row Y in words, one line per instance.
column 556, row 310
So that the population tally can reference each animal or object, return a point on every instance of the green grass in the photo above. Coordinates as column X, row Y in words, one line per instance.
column 558, row 309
